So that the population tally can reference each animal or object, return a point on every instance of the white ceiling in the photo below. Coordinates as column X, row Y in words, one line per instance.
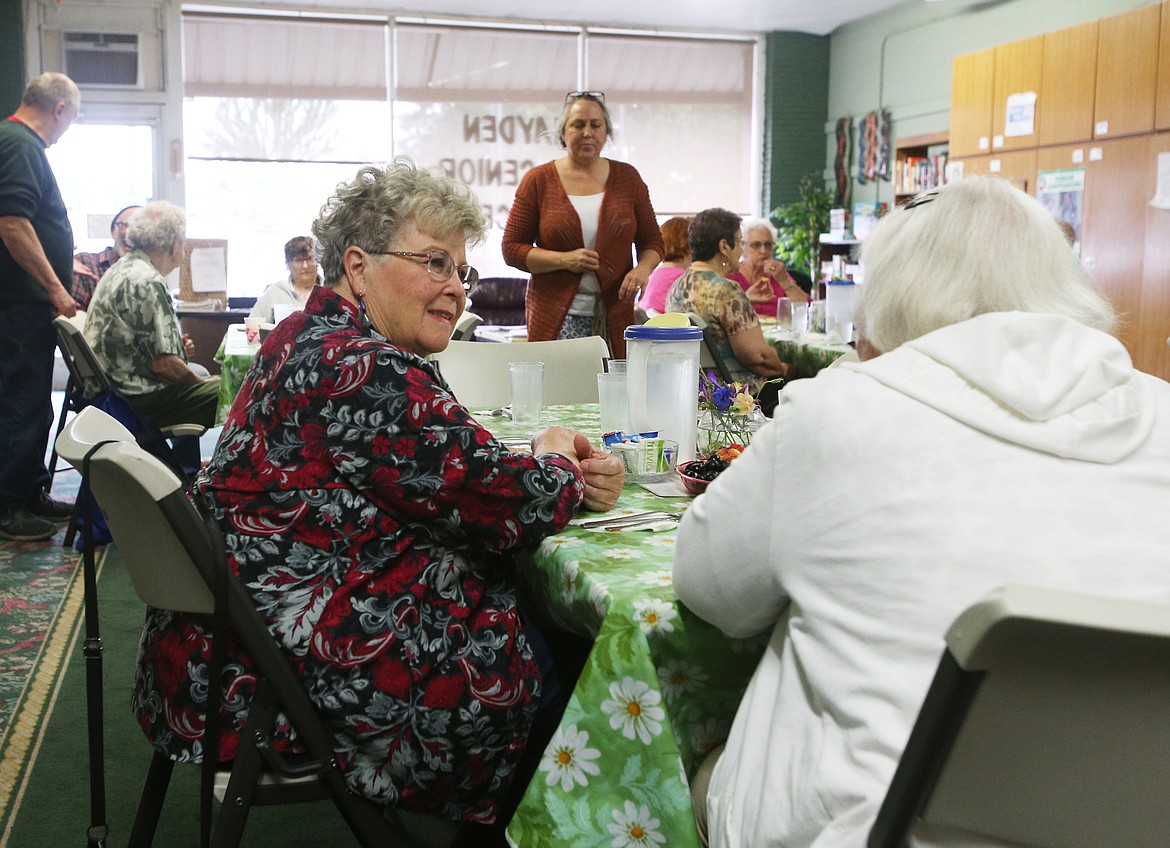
column 819, row 17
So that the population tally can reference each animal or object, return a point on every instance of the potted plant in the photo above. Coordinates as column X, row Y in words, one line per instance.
column 799, row 225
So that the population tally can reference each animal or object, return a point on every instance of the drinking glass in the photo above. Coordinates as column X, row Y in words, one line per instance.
column 798, row 316
column 527, row 391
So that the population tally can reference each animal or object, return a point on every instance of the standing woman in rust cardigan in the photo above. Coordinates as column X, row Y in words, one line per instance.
column 572, row 226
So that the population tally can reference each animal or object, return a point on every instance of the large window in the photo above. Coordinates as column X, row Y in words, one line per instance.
column 272, row 122
column 92, row 194
column 268, row 136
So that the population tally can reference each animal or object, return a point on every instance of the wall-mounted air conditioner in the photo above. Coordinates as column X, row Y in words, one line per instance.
column 106, row 59
column 113, row 49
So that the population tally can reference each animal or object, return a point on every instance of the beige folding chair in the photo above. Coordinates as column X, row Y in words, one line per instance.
column 709, row 358
column 87, row 379
column 1047, row 725
column 477, row 372
column 465, row 327
column 174, row 557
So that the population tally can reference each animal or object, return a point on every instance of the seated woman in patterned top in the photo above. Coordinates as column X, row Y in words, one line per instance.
column 374, row 520
column 716, row 246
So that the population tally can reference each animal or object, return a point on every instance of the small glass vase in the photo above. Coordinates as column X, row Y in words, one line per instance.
column 723, row 429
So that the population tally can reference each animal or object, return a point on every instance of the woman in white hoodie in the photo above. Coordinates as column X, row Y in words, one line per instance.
column 993, row 433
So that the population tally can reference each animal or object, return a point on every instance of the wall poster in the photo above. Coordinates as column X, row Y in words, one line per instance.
column 1063, row 194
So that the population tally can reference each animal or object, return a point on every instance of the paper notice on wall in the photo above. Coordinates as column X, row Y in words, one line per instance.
column 208, row 269
column 1021, row 114
column 1063, row 194
column 1161, row 199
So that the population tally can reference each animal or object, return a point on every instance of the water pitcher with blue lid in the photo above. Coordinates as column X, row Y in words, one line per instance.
column 663, row 383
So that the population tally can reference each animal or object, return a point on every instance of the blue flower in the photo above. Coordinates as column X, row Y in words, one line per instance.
column 722, row 398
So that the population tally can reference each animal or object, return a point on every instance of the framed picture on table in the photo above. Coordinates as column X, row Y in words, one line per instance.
column 203, row 275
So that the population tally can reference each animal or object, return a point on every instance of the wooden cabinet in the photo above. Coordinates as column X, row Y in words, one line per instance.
column 1153, row 322
column 1162, row 109
column 1125, row 243
column 1103, row 88
column 1016, row 166
column 972, row 94
column 1067, row 87
column 920, row 163
column 1018, row 68
column 1127, row 72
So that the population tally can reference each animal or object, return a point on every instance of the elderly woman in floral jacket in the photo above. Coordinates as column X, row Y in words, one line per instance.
column 373, row 520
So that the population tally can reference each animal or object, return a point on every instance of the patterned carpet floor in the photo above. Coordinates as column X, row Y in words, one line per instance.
column 40, row 606
column 34, row 577
column 44, row 775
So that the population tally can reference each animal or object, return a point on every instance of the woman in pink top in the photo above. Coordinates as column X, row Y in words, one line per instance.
column 760, row 274
column 678, row 257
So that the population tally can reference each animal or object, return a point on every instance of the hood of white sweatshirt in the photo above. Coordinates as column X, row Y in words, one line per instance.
column 1044, row 382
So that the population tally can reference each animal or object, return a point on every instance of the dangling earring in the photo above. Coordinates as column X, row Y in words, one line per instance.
column 363, row 318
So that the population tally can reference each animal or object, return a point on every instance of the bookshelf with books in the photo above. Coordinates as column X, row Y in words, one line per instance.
column 920, row 163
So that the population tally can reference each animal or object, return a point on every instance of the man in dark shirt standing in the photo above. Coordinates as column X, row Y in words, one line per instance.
column 36, row 272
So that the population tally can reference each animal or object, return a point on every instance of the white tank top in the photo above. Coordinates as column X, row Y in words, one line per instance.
column 588, row 207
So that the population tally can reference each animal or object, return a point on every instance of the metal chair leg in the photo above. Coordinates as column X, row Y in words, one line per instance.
column 158, row 778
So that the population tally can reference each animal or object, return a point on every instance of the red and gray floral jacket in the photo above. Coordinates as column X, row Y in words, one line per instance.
column 373, row 521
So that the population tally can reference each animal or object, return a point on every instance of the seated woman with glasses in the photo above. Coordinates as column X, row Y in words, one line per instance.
column 760, row 274
column 303, row 277
column 374, row 521
column 572, row 226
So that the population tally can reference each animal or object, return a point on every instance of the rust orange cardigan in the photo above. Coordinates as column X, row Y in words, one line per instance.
column 542, row 216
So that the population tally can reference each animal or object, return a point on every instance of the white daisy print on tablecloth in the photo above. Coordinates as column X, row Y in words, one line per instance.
column 599, row 598
column 634, row 709
column 551, row 543
column 655, row 616
column 710, row 735
column 568, row 758
column 622, row 553
column 634, row 827
column 569, row 574
column 679, row 677
column 662, row 577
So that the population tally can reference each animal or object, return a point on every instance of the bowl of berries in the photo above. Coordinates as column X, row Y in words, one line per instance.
column 697, row 473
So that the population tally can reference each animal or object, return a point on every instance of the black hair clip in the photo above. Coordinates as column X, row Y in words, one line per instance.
column 921, row 198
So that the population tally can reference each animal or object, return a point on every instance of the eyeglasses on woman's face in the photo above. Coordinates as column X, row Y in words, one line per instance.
column 441, row 266
column 761, row 245
column 303, row 260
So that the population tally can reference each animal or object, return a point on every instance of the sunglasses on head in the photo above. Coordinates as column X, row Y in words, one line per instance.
column 599, row 96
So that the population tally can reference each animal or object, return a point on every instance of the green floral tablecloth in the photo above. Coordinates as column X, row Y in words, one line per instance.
column 234, row 359
column 807, row 356
column 659, row 689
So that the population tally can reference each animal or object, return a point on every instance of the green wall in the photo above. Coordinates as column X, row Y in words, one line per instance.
column 796, row 92
column 11, row 56
column 900, row 59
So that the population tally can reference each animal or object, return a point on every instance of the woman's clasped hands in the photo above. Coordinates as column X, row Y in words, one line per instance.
column 603, row 473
